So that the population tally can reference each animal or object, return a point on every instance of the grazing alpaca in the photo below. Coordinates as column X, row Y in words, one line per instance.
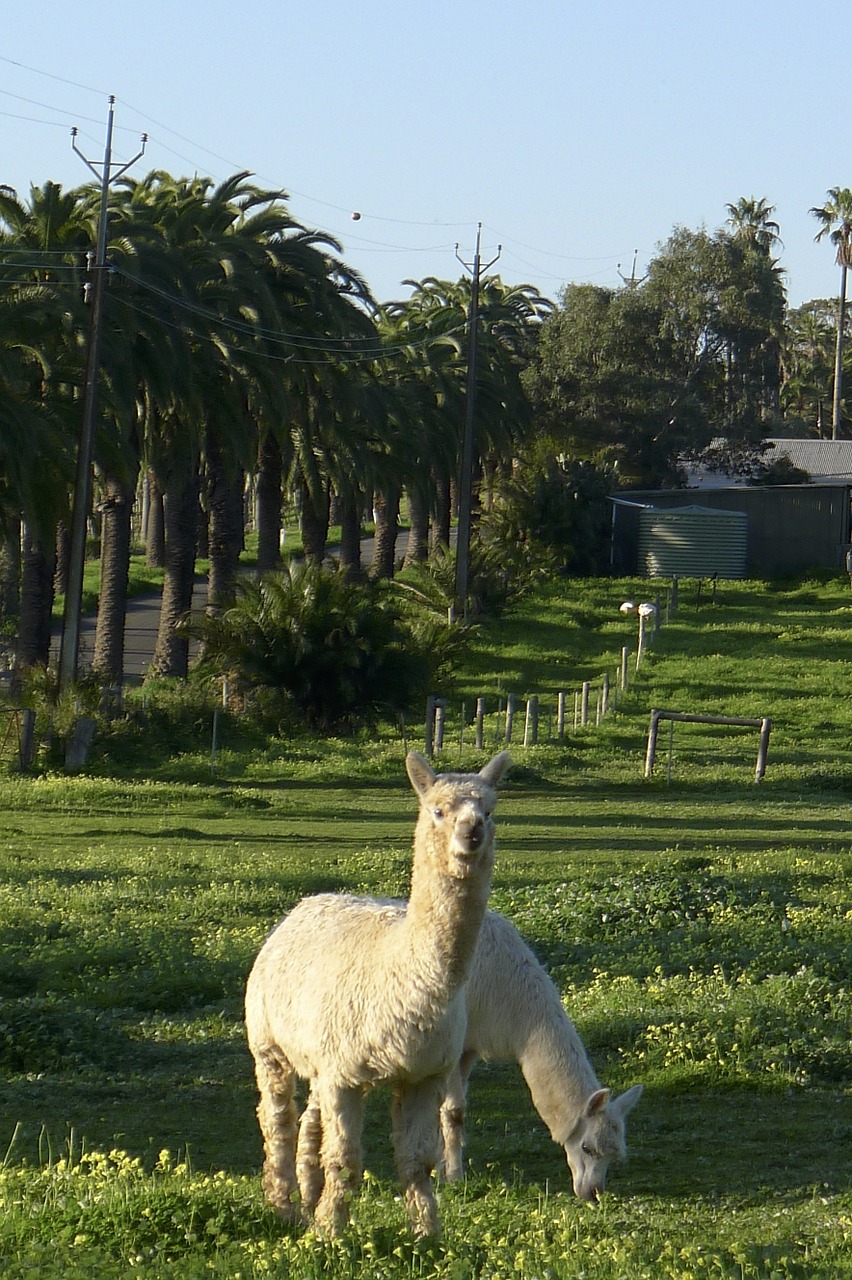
column 514, row 1012
column 351, row 992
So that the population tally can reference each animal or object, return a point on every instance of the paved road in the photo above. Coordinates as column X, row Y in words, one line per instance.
column 143, row 620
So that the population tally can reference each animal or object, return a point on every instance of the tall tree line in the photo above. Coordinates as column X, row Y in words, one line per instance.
column 236, row 343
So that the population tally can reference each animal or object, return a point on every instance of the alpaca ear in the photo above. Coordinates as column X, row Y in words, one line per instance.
column 597, row 1101
column 420, row 772
column 494, row 770
column 626, row 1101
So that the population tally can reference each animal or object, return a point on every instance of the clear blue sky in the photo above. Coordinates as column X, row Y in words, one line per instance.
column 575, row 131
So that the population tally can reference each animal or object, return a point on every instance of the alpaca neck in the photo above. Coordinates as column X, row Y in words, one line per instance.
column 442, row 923
column 553, row 1059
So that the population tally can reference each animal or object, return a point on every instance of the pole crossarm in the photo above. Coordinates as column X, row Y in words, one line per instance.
column 763, row 723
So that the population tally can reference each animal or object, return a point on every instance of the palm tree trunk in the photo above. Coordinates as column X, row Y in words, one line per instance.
column 226, row 532
column 10, row 570
column 63, row 549
column 443, row 512
column 108, row 661
column 37, row 569
column 418, row 536
column 838, row 355
column 314, row 520
column 349, row 511
column 155, row 532
column 268, row 508
column 386, row 511
column 180, row 511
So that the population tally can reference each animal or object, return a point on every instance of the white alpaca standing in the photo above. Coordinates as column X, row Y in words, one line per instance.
column 352, row 992
column 515, row 1013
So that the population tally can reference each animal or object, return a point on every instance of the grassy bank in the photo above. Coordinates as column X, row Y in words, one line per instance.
column 697, row 925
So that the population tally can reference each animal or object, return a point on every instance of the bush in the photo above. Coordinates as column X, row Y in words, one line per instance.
column 340, row 650
column 491, row 582
column 551, row 515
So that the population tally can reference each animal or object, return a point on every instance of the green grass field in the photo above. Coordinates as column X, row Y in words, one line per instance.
column 699, row 927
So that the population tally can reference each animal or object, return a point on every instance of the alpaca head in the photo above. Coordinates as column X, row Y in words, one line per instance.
column 597, row 1140
column 455, row 827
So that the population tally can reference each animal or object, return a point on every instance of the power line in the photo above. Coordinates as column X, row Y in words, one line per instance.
column 38, row 72
column 353, row 355
column 363, row 245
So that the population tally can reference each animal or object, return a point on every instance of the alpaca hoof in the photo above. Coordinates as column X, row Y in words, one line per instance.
column 330, row 1216
column 285, row 1202
column 422, row 1210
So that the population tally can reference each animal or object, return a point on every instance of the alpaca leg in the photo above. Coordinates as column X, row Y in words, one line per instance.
column 276, row 1113
column 416, row 1133
column 308, row 1167
column 341, row 1115
column 452, row 1118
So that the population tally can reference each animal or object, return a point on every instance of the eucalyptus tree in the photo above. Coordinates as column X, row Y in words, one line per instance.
column 611, row 384
column 835, row 219
column 637, row 378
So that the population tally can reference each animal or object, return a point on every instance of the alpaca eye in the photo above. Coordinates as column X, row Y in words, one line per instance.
column 438, row 814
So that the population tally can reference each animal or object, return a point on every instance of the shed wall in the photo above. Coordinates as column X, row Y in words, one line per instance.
column 692, row 542
column 790, row 527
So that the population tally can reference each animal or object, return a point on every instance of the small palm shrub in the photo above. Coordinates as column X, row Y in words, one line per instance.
column 340, row 650
column 491, row 583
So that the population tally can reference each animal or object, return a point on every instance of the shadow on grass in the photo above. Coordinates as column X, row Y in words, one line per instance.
column 684, row 1140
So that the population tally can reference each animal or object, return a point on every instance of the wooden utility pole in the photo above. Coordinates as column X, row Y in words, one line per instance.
column 466, row 478
column 70, row 643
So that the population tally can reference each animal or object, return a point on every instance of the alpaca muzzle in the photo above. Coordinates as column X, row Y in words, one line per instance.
column 469, row 836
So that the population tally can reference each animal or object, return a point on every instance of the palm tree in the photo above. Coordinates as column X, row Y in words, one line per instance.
column 752, row 221
column 434, row 323
column 240, row 320
column 808, row 362
column 752, row 313
column 41, row 323
column 835, row 217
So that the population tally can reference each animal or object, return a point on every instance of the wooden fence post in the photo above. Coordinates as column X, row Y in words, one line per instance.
column 584, row 703
column 531, row 725
column 440, row 708
column 480, row 723
column 26, row 744
column 79, row 742
column 429, row 734
column 510, row 715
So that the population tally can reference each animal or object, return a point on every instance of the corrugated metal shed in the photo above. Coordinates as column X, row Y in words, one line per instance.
column 790, row 527
column 692, row 542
